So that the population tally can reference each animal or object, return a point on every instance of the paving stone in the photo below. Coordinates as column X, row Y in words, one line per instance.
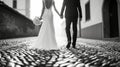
column 18, row 66
column 56, row 65
column 59, row 59
column 80, row 65
column 63, row 61
column 34, row 64
column 71, row 65
column 65, row 64
column 11, row 64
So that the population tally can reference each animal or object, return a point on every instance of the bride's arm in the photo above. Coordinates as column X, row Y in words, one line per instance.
column 43, row 8
column 55, row 8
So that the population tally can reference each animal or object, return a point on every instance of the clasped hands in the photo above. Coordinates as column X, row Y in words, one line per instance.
column 61, row 16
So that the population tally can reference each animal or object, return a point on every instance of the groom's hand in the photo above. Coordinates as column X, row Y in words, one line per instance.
column 61, row 16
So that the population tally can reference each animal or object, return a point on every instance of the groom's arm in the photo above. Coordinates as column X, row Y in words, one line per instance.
column 63, row 7
column 79, row 8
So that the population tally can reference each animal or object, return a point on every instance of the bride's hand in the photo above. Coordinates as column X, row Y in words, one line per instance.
column 37, row 21
column 40, row 18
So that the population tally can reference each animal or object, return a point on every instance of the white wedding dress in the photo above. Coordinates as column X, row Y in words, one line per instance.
column 46, row 38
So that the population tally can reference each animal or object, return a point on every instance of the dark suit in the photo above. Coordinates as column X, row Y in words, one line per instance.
column 73, row 8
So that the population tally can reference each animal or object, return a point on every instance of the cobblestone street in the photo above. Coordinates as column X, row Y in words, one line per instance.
column 89, row 53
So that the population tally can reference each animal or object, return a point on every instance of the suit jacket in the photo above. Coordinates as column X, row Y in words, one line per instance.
column 72, row 9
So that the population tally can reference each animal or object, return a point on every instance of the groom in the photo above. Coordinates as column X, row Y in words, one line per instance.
column 73, row 8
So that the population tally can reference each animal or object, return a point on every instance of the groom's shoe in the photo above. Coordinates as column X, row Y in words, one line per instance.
column 68, row 45
column 73, row 45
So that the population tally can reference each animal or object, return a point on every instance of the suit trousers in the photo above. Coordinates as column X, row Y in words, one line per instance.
column 74, row 27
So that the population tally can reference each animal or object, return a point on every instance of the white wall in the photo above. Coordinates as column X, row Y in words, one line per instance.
column 8, row 2
column 95, row 12
column 35, row 8
column 21, row 6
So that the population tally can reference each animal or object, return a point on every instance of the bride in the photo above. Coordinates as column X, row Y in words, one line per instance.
column 46, row 38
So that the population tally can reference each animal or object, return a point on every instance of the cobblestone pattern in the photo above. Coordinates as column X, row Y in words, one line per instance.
column 84, row 56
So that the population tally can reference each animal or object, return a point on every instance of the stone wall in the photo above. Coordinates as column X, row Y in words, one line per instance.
column 13, row 24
